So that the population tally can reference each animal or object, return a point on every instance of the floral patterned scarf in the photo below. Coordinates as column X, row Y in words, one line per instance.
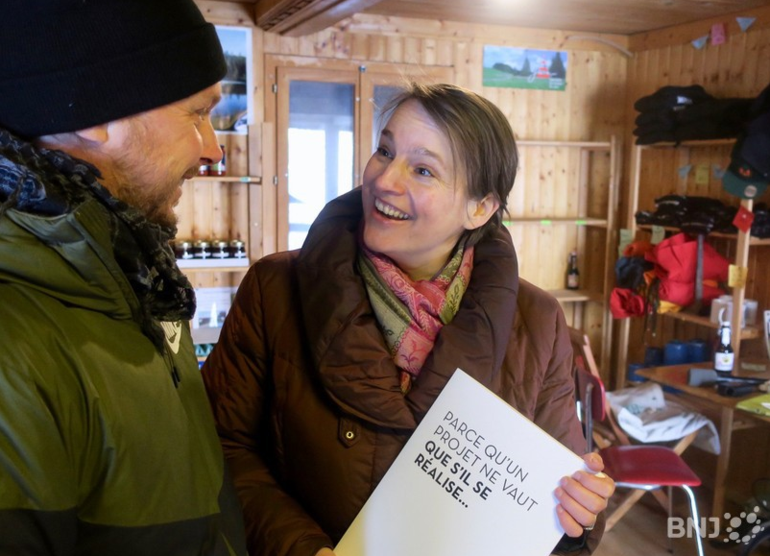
column 411, row 313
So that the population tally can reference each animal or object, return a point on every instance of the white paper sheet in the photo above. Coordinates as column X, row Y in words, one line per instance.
column 476, row 477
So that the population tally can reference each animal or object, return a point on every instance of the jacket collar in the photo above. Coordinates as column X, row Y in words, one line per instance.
column 39, row 184
column 352, row 359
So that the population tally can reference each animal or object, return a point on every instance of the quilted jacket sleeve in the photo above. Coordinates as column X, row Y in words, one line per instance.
column 238, row 377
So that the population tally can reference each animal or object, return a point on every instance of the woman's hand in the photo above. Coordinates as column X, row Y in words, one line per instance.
column 325, row 552
column 583, row 496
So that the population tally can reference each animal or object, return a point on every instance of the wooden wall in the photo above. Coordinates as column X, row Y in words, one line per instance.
column 738, row 68
column 212, row 209
column 602, row 85
column 591, row 108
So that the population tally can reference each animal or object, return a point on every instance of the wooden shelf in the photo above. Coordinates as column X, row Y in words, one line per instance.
column 752, row 239
column 588, row 161
column 544, row 221
column 576, row 296
column 234, row 179
column 588, row 145
column 747, row 333
column 213, row 265
column 701, row 143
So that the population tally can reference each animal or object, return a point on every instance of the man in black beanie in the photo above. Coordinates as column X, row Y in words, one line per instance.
column 107, row 443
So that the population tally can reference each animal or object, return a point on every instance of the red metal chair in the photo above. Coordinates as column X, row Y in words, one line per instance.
column 644, row 467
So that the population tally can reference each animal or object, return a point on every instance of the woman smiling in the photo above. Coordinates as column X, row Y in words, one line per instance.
column 331, row 355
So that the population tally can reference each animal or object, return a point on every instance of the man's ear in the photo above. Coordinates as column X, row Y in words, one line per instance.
column 97, row 134
column 480, row 211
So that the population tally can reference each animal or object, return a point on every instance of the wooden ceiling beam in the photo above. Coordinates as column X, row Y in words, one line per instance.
column 295, row 18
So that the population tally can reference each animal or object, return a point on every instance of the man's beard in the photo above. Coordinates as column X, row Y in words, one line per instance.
column 156, row 208
column 135, row 177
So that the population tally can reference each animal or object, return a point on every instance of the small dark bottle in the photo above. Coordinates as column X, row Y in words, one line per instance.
column 183, row 249
column 724, row 356
column 237, row 249
column 219, row 249
column 573, row 275
column 202, row 249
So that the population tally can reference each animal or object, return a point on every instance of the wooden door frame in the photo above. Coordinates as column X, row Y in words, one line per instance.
column 280, row 69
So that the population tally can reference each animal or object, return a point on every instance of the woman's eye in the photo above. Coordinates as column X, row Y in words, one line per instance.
column 382, row 151
column 424, row 172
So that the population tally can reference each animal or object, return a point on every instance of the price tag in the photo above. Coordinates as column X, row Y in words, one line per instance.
column 702, row 174
column 743, row 219
column 737, row 276
column 626, row 237
column 658, row 233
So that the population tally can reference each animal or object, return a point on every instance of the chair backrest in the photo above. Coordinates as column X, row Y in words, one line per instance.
column 593, row 402
column 581, row 346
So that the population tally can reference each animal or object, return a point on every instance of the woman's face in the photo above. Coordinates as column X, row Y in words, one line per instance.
column 415, row 201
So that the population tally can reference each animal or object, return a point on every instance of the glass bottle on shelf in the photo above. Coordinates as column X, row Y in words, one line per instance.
column 237, row 249
column 183, row 249
column 201, row 249
column 219, row 249
column 219, row 168
column 573, row 275
column 724, row 357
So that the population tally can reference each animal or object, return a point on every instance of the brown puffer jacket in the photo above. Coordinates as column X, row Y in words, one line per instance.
column 307, row 398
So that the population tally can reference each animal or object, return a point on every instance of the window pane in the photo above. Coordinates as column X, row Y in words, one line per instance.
column 382, row 94
column 320, row 150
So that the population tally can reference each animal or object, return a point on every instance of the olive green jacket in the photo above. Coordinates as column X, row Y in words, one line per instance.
column 107, row 445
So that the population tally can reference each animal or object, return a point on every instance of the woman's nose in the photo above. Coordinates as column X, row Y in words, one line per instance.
column 391, row 178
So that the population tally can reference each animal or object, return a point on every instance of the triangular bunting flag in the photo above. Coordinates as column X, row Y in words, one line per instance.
column 745, row 22
column 700, row 42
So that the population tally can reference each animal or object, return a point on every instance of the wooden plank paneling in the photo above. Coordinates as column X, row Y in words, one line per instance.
column 738, row 68
column 578, row 15
column 500, row 34
column 671, row 36
column 591, row 108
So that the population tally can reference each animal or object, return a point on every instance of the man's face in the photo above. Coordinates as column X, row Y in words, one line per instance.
column 152, row 153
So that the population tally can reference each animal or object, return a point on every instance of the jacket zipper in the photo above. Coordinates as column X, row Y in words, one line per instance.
column 175, row 378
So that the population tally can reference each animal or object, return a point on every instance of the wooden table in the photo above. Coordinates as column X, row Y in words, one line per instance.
column 676, row 377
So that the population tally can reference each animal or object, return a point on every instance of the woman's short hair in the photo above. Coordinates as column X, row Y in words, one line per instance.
column 481, row 138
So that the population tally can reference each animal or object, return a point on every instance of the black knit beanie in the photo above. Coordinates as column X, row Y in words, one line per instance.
column 67, row 65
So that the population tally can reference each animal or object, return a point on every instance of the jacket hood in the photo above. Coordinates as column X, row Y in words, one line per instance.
column 67, row 257
column 354, row 362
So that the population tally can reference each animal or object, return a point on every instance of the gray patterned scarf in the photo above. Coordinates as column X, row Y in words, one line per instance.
column 51, row 183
